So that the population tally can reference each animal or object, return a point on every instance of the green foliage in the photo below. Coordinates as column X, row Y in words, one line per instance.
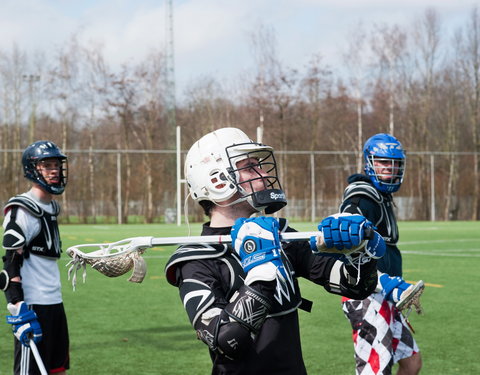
column 117, row 327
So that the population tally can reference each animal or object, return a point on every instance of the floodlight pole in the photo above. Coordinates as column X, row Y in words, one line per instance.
column 179, row 176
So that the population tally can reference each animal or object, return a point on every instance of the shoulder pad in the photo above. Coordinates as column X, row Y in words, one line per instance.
column 56, row 208
column 191, row 252
column 362, row 188
column 197, row 297
column 26, row 203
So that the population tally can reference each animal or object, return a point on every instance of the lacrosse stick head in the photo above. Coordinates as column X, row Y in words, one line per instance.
column 111, row 259
column 411, row 299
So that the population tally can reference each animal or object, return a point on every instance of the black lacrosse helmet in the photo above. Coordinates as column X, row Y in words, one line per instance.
column 37, row 152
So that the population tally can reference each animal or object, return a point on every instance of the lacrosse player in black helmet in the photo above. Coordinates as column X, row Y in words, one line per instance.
column 381, row 333
column 242, row 299
column 31, row 278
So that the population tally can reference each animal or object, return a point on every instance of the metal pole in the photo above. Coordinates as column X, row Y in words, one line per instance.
column 432, row 187
column 259, row 134
column 179, row 181
column 312, row 183
column 119, row 188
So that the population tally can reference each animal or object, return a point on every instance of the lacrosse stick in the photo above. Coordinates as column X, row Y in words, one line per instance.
column 38, row 359
column 117, row 258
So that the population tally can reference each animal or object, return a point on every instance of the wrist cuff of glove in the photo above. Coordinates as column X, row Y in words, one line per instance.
column 263, row 272
column 376, row 247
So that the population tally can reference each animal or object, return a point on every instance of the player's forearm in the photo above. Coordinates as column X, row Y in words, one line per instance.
column 230, row 331
column 12, row 281
column 346, row 281
column 367, row 280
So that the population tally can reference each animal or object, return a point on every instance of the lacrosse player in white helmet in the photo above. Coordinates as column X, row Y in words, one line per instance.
column 242, row 299
column 381, row 333
column 31, row 278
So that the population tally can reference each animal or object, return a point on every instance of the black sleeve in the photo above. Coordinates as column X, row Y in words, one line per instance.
column 13, row 239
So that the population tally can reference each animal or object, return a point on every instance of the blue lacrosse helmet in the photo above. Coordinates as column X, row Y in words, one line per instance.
column 384, row 162
column 37, row 152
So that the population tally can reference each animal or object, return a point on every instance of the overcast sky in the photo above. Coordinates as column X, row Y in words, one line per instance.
column 211, row 36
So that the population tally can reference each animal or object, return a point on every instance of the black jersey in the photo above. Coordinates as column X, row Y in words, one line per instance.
column 361, row 197
column 208, row 277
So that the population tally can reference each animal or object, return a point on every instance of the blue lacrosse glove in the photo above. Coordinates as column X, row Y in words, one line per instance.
column 257, row 242
column 344, row 230
column 376, row 247
column 25, row 325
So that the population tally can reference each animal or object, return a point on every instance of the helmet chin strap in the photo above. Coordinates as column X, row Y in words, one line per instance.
column 239, row 200
column 245, row 197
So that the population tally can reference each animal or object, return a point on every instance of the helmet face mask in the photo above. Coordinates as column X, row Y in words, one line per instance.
column 213, row 174
column 32, row 159
column 384, row 162
column 270, row 195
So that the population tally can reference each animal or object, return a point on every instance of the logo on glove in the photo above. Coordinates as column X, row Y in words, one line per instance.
column 249, row 246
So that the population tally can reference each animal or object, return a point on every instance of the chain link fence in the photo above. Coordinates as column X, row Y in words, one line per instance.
column 125, row 186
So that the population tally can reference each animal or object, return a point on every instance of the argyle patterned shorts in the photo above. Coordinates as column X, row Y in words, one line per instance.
column 381, row 335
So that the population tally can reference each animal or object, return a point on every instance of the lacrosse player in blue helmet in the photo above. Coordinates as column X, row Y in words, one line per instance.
column 243, row 299
column 31, row 278
column 381, row 333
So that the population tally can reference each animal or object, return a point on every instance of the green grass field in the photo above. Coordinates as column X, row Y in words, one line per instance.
column 118, row 327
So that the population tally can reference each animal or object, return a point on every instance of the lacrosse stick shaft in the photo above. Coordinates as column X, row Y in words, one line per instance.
column 225, row 239
column 38, row 359
column 319, row 242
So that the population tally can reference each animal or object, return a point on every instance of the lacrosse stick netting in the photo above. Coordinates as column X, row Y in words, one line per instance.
column 111, row 259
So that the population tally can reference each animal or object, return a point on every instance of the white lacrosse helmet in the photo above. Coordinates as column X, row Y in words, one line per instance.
column 212, row 174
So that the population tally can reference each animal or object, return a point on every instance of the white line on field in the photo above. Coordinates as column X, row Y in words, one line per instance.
column 438, row 241
column 437, row 253
column 474, row 250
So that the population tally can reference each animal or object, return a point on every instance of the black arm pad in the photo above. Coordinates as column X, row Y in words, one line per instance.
column 233, row 340
column 230, row 332
column 250, row 308
column 4, row 280
column 12, row 262
column 225, row 337
column 14, row 292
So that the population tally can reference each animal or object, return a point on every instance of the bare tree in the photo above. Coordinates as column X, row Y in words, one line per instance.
column 356, row 59
column 273, row 91
column 13, row 66
column 97, row 83
column 389, row 46
column 467, row 59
